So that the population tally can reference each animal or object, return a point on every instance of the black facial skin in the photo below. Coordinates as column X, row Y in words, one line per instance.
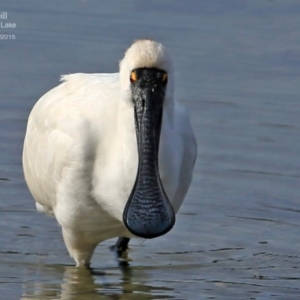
column 148, row 212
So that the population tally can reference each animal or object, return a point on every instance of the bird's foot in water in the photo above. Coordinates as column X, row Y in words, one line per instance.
column 120, row 250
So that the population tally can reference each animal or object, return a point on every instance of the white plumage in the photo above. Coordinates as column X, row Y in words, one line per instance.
column 80, row 154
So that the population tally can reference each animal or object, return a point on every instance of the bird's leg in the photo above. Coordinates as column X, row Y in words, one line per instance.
column 121, row 245
column 120, row 250
column 80, row 250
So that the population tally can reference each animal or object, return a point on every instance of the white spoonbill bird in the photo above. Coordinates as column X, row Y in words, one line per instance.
column 111, row 155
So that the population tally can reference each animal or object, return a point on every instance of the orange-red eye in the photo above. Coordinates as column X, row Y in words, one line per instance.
column 165, row 77
column 133, row 76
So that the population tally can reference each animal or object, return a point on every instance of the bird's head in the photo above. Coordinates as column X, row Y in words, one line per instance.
column 147, row 81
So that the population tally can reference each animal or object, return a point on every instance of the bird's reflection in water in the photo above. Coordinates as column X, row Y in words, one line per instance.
column 123, row 282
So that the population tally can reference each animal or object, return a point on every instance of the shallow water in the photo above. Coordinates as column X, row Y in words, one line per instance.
column 238, row 70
